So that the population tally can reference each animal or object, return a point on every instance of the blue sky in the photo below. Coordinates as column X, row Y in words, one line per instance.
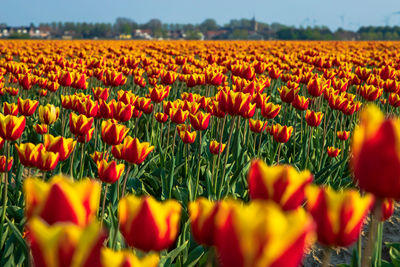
column 348, row 14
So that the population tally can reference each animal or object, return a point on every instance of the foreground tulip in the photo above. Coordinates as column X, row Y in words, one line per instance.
column 216, row 148
column 202, row 220
column 109, row 172
column 281, row 183
column 113, row 133
column 62, row 200
column 147, row 224
column 261, row 234
column 11, row 127
column 376, row 156
column 48, row 114
column 339, row 215
column 5, row 167
column 62, row 146
column 65, row 244
column 126, row 258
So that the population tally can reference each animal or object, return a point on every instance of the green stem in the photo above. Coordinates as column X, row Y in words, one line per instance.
column 5, row 191
column 198, row 168
column 227, row 154
column 103, row 204
column 125, row 180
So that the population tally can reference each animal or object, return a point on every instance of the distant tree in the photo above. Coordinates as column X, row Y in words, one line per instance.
column 208, row 25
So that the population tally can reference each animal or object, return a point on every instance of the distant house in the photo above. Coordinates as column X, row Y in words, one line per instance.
column 145, row 34
column 209, row 35
column 176, row 34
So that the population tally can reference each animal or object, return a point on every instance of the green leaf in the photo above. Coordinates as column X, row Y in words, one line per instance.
column 194, row 256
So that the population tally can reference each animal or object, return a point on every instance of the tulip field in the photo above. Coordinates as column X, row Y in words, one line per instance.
column 198, row 153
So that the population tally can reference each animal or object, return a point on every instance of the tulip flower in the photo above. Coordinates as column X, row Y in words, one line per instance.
column 147, row 224
column 394, row 100
column 85, row 138
column 11, row 127
column 48, row 114
column 282, row 184
column 158, row 93
column 47, row 161
column 281, row 133
column 5, row 167
column 257, row 126
column 168, row 77
column 62, row 200
column 10, row 109
column 122, row 112
column 313, row 118
column 288, row 94
column 66, row 79
column 125, row 258
column 29, row 153
column 270, row 110
column 26, row 81
column 177, row 115
column 65, row 244
column 387, row 208
column 135, row 152
column 261, row 234
column 109, row 172
column 235, row 103
column 343, row 135
column 100, row 93
column 41, row 128
column 200, row 120
column 161, row 117
column 27, row 107
column 202, row 213
column 187, row 136
column 370, row 92
column 106, row 110
column 339, row 215
column 376, row 159
column 79, row 124
column 62, row 146
column 216, row 148
column 87, row 107
column 113, row 133
column 97, row 156
column 316, row 86
column 118, row 151
column 300, row 102
column 333, row 152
